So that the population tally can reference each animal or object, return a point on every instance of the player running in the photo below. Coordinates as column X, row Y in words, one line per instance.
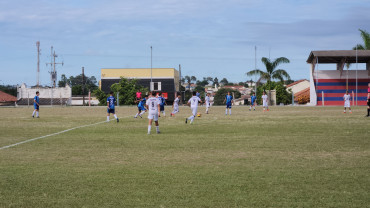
column 162, row 102
column 153, row 105
column 229, row 100
column 36, row 105
column 347, row 102
column 193, row 102
column 208, row 104
column 175, row 105
column 110, row 106
column 141, row 107
column 265, row 102
column 253, row 102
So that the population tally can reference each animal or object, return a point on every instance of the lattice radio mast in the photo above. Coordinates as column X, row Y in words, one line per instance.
column 52, row 63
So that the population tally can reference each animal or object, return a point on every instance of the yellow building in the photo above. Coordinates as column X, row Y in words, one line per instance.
column 166, row 80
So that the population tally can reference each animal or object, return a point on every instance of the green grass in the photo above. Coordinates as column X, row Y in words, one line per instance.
column 288, row 157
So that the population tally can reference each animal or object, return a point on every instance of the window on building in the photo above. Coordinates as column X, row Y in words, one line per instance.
column 155, row 86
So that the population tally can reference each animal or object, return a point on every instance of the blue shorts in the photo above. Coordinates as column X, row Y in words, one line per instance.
column 110, row 110
column 36, row 107
column 228, row 105
column 161, row 107
column 141, row 108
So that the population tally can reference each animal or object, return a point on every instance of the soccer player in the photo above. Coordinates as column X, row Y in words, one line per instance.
column 36, row 105
column 347, row 102
column 175, row 105
column 141, row 107
column 153, row 105
column 368, row 101
column 193, row 102
column 265, row 102
column 208, row 104
column 253, row 102
column 110, row 106
column 162, row 102
column 229, row 100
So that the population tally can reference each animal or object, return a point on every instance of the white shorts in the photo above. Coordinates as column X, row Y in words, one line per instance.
column 153, row 116
column 347, row 104
column 208, row 105
column 194, row 110
column 265, row 104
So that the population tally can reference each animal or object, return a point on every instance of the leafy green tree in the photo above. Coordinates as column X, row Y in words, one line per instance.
column 77, row 85
column 221, row 93
column 189, row 79
column 63, row 81
column 271, row 72
column 101, row 96
column 224, row 81
column 126, row 88
column 282, row 96
column 215, row 81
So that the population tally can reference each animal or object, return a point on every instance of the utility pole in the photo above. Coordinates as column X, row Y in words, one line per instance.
column 83, row 86
column 53, row 64
column 38, row 63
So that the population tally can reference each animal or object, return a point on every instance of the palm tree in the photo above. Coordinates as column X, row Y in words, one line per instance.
column 366, row 38
column 188, row 79
column 271, row 72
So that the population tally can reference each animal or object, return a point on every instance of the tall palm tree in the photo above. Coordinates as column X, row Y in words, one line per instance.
column 188, row 79
column 271, row 72
column 366, row 38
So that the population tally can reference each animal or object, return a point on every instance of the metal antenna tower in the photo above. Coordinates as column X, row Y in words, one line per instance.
column 38, row 63
column 52, row 63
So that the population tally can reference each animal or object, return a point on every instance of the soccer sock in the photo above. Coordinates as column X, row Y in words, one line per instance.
column 191, row 118
column 115, row 116
column 142, row 112
column 164, row 113
column 368, row 111
column 136, row 115
column 157, row 128
column 33, row 114
column 149, row 128
column 107, row 118
column 226, row 111
column 250, row 107
column 37, row 114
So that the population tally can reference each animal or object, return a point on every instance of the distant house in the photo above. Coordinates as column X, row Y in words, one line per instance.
column 243, row 90
column 6, row 99
column 299, row 88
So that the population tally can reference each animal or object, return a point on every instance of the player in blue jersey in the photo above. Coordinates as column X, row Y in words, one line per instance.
column 253, row 102
column 36, row 105
column 111, row 100
column 141, row 107
column 162, row 102
column 229, row 100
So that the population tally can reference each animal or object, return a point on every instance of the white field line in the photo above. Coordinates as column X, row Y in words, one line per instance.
column 49, row 135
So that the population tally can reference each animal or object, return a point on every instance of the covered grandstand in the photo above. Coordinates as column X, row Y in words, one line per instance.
column 327, row 87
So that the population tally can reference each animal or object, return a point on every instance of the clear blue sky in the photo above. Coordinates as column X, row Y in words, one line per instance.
column 207, row 37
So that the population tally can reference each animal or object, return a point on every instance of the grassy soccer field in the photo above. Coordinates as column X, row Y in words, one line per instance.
column 288, row 157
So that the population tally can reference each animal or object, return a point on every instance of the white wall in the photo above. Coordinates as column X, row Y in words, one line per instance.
column 59, row 92
column 300, row 86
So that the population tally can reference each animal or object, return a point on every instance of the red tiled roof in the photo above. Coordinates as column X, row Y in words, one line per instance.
column 300, row 93
column 5, row 97
column 294, row 83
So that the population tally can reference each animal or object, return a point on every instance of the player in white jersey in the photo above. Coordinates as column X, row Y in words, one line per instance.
column 208, row 103
column 193, row 102
column 152, row 105
column 347, row 102
column 175, row 105
column 265, row 101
